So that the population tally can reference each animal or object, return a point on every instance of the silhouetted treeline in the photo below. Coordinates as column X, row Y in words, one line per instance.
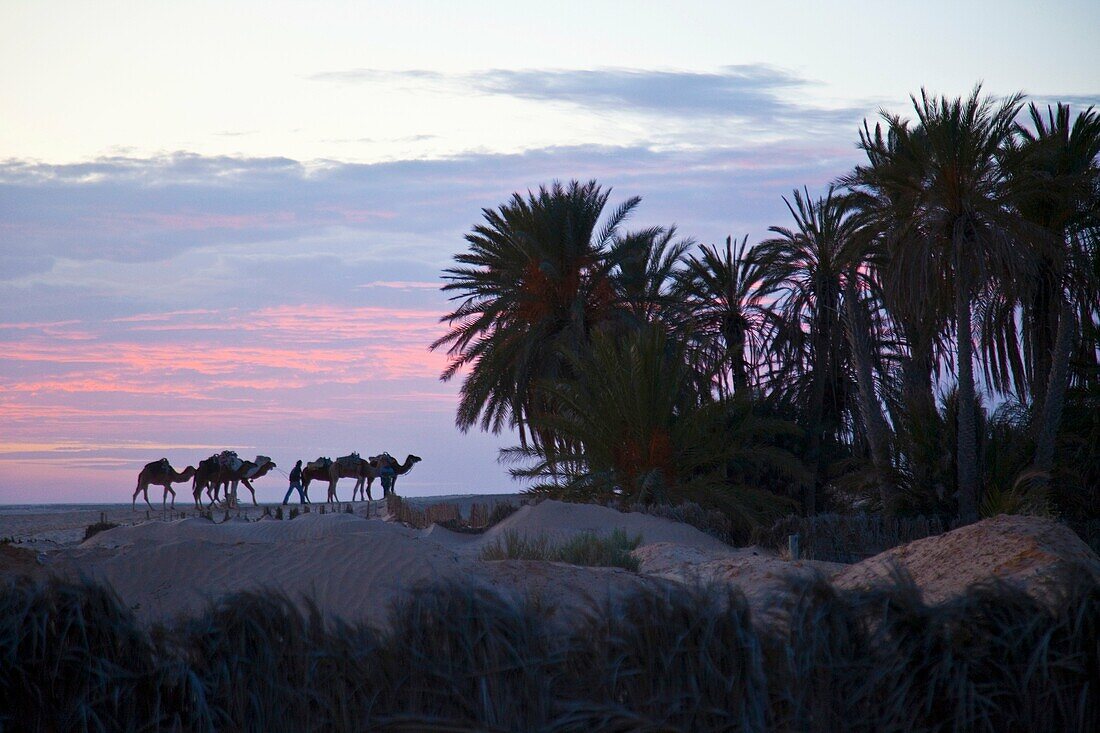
column 924, row 337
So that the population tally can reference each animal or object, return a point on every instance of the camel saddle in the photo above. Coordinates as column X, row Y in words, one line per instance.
column 352, row 460
column 228, row 459
column 320, row 463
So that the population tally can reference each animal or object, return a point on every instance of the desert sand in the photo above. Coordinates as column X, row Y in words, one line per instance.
column 357, row 565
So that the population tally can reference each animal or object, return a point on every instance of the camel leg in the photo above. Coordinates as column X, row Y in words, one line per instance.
column 133, row 503
column 248, row 486
column 370, row 481
column 305, row 491
column 145, row 495
column 169, row 490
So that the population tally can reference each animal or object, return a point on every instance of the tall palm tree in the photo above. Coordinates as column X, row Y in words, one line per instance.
column 803, row 269
column 726, row 317
column 865, row 340
column 1057, row 176
column 959, row 204
column 533, row 285
column 911, row 282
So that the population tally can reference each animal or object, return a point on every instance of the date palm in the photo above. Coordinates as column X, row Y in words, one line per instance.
column 634, row 428
column 911, row 282
column 803, row 269
column 726, row 318
column 532, row 286
column 958, row 202
column 1056, row 176
column 646, row 266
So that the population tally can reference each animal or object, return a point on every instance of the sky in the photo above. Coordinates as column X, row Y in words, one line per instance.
column 222, row 224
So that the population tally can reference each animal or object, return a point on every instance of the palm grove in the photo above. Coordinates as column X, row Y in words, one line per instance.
column 923, row 338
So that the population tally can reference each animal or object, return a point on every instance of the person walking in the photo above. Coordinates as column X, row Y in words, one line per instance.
column 295, row 483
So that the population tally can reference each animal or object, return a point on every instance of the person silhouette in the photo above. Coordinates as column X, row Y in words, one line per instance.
column 295, row 483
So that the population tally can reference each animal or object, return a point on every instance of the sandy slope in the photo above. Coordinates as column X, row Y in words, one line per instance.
column 346, row 564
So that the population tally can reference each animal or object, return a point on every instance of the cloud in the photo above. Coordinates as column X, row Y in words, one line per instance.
column 763, row 96
column 1077, row 102
column 402, row 285
column 188, row 300
column 149, row 210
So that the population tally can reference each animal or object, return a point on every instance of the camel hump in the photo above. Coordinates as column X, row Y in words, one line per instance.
column 160, row 466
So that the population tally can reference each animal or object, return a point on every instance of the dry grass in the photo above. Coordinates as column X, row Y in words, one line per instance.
column 847, row 538
column 611, row 550
column 93, row 529
column 465, row 658
column 448, row 515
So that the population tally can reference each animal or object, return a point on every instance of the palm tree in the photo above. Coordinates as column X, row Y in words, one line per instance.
column 726, row 318
column 958, row 203
column 865, row 341
column 533, row 285
column 634, row 428
column 911, row 284
column 646, row 265
column 803, row 269
column 1057, row 175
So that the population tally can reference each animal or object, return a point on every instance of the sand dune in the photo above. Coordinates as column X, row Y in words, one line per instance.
column 351, row 566
column 357, row 567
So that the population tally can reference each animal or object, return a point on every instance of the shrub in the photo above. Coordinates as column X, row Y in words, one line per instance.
column 847, row 538
column 462, row 657
column 587, row 548
column 94, row 529
column 448, row 515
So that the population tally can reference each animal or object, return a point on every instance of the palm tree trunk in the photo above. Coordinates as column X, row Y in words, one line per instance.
column 920, row 417
column 735, row 342
column 966, row 453
column 858, row 332
column 1044, row 328
column 821, row 371
column 1050, row 416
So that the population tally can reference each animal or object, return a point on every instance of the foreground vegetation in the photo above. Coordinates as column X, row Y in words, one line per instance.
column 469, row 659
column 845, row 361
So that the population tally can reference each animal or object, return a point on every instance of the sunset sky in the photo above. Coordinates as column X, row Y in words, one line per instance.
column 222, row 224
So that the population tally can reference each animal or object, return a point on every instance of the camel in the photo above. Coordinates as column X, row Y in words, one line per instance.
column 160, row 473
column 245, row 473
column 210, row 472
column 323, row 469
column 400, row 469
column 205, row 475
column 363, row 471
column 227, row 469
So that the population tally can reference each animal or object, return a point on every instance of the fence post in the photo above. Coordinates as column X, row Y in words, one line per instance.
column 792, row 546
